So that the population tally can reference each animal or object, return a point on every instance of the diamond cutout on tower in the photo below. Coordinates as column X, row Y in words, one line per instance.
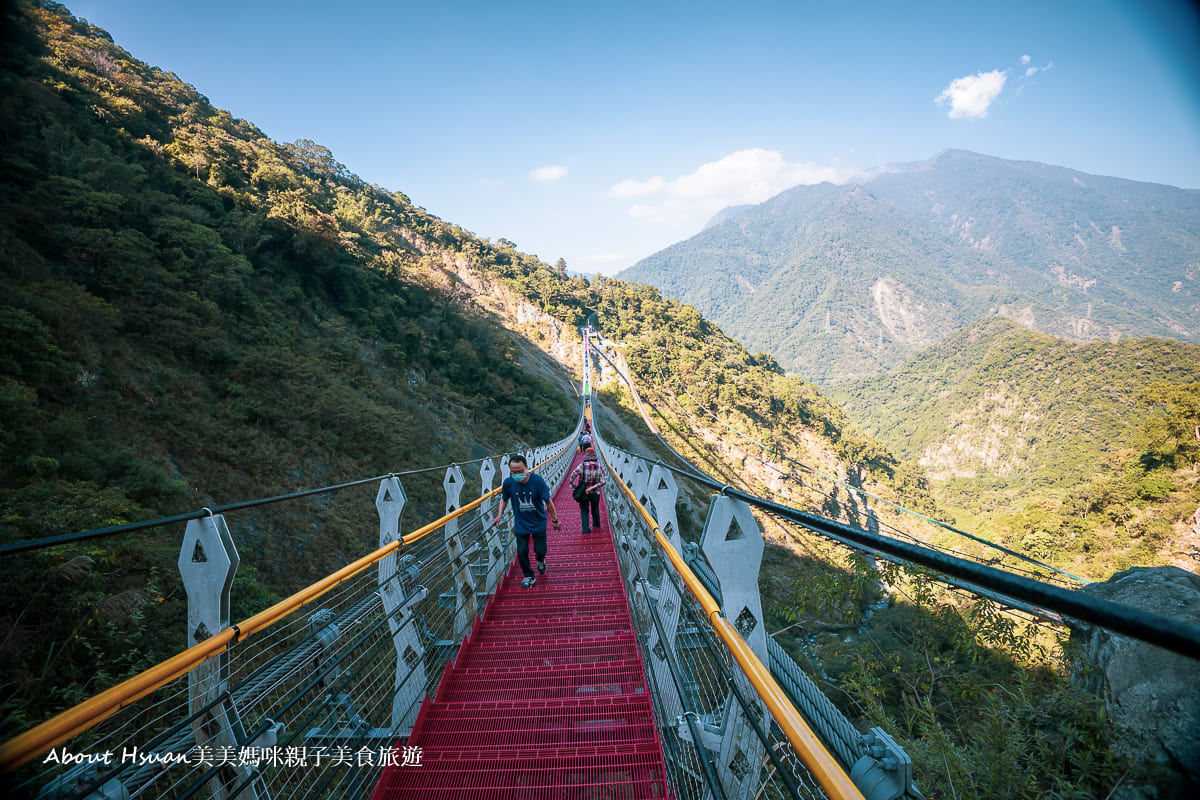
column 746, row 622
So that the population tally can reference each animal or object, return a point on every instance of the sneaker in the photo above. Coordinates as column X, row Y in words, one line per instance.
column 541, row 568
column 528, row 582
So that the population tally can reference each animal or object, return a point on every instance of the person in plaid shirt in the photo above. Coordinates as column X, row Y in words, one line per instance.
column 592, row 474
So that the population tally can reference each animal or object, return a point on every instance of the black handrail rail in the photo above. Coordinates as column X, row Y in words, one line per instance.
column 129, row 527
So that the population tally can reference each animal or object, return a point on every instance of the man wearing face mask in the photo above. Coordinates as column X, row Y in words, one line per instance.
column 530, row 499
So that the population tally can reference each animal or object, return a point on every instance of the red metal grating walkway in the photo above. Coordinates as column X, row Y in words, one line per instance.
column 546, row 698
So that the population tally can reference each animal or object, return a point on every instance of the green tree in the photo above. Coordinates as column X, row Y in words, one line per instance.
column 1173, row 435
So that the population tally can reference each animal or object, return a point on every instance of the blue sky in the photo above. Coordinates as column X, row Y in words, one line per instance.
column 601, row 133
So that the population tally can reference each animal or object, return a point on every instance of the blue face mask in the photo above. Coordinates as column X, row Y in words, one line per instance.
column 520, row 478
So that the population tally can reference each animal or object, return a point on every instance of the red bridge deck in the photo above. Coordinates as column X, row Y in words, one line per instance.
column 547, row 697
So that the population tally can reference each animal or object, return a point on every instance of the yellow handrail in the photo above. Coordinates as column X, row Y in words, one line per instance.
column 37, row 740
column 808, row 746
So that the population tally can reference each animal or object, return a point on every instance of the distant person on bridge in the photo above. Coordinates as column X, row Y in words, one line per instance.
column 592, row 475
column 585, row 441
column 530, row 499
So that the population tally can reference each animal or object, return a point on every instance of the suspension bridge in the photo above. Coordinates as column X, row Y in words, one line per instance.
column 637, row 666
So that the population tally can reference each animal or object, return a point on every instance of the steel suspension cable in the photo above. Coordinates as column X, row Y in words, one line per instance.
column 129, row 527
column 864, row 493
column 1179, row 637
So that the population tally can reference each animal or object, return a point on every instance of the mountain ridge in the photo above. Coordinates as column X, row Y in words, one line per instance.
column 841, row 282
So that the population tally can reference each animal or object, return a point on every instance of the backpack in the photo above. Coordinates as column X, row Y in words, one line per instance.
column 579, row 492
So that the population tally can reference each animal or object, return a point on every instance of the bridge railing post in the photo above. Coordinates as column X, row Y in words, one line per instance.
column 458, row 554
column 663, row 492
column 208, row 562
column 637, row 477
column 494, row 542
column 733, row 545
column 508, row 541
column 398, row 602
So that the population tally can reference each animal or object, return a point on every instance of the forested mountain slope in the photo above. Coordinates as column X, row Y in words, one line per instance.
column 194, row 315
column 186, row 298
column 998, row 400
column 1082, row 455
column 841, row 282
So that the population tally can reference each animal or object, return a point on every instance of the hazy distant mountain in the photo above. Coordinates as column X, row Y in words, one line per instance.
column 841, row 282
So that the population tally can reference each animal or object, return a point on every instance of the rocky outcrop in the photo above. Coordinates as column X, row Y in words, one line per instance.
column 560, row 345
column 1152, row 694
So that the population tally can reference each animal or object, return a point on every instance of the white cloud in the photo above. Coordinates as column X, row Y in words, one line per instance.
column 1025, row 59
column 632, row 188
column 548, row 173
column 747, row 176
column 971, row 96
column 1031, row 71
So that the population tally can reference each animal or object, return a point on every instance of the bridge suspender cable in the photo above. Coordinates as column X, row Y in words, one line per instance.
column 1171, row 634
column 130, row 527
column 901, row 509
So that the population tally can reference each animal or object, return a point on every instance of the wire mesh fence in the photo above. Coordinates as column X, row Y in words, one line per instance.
column 317, row 704
column 310, row 704
column 719, row 740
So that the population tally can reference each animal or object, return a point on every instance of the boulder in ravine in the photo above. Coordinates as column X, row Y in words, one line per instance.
column 1152, row 694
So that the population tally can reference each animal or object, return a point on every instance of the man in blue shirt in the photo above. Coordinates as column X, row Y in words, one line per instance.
column 530, row 499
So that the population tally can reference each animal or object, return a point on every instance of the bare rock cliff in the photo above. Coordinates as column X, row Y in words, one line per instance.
column 1153, row 694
